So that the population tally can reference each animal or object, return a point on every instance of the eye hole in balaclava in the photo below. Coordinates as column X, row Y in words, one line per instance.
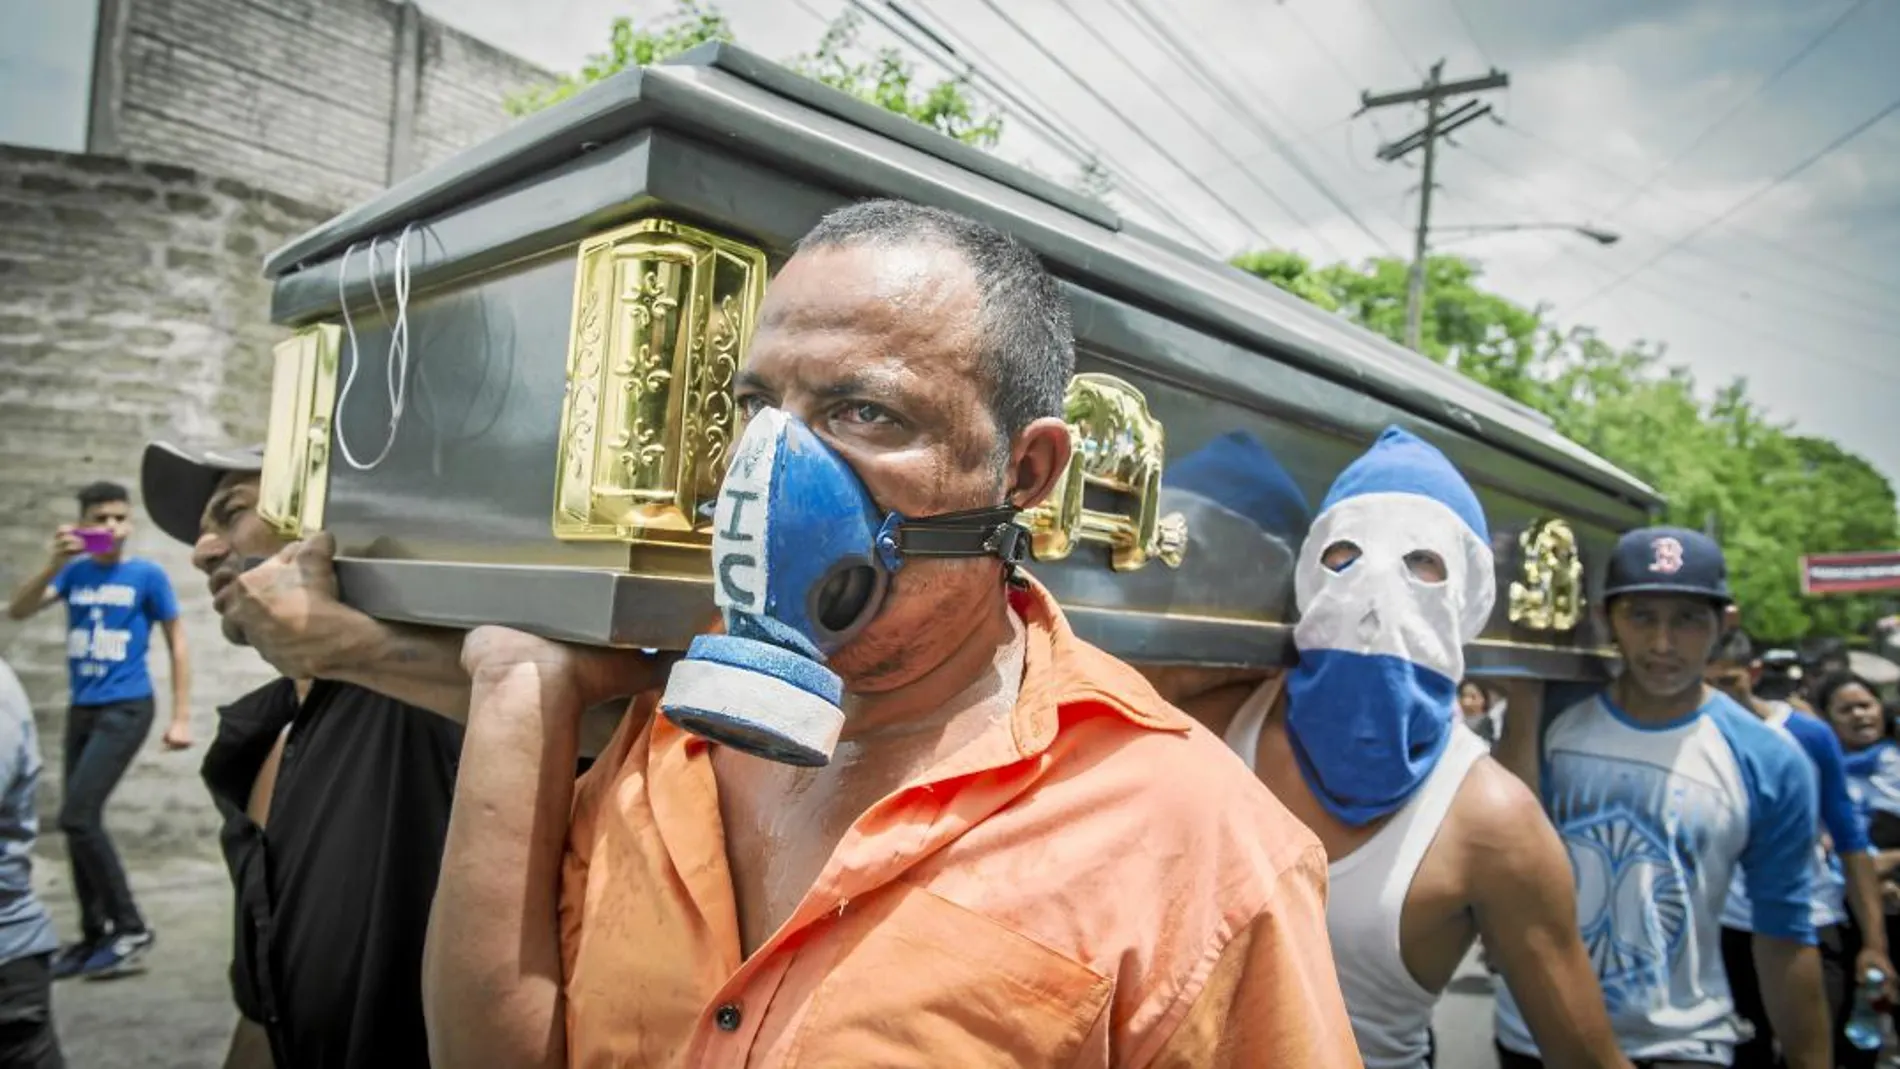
column 1426, row 566
column 1340, row 556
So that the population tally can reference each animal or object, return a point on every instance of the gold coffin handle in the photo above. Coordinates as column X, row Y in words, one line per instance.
column 662, row 315
column 1118, row 448
column 1548, row 595
column 296, row 477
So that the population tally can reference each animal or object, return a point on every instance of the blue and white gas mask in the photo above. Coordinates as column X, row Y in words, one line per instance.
column 1370, row 704
column 802, row 561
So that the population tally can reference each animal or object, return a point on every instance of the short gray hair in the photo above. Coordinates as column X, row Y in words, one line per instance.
column 1028, row 339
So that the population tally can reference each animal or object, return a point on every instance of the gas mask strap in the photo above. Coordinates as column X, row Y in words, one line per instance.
column 985, row 532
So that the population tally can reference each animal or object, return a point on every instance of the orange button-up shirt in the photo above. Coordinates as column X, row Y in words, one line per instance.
column 1094, row 881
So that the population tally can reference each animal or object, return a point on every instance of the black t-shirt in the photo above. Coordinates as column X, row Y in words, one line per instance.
column 333, row 899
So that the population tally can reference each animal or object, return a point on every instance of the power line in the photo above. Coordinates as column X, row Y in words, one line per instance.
column 1750, row 267
column 1458, row 9
column 1035, row 114
column 1782, row 248
column 1239, row 217
column 1740, row 105
column 1373, row 6
column 1194, row 122
column 1184, row 58
column 1862, row 127
column 1352, row 81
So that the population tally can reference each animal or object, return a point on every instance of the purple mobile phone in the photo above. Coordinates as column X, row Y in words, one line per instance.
column 96, row 540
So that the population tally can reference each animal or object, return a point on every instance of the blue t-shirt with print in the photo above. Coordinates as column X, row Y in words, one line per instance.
column 1658, row 818
column 110, row 609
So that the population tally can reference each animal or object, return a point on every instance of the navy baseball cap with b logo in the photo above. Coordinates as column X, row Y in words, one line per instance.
column 1668, row 560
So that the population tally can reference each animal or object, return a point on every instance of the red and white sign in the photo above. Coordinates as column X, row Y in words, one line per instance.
column 1850, row 573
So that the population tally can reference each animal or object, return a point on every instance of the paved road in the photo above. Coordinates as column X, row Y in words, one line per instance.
column 1462, row 1022
column 175, row 1015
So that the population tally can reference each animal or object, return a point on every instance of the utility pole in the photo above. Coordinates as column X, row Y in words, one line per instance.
column 1438, row 123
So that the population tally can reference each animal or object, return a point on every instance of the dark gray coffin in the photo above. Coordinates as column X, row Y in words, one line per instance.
column 458, row 525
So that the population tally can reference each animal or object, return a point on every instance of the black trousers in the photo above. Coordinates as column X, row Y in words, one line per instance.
column 101, row 741
column 1840, row 945
column 27, row 1039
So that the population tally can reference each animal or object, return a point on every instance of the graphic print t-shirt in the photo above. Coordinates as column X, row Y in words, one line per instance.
column 110, row 609
column 1656, row 821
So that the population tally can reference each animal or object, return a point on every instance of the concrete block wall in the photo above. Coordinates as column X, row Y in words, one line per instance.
column 132, row 306
column 326, row 101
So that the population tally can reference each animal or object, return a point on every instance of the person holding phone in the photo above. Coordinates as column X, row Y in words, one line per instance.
column 112, row 602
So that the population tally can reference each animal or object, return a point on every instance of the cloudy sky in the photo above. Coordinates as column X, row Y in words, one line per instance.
column 1681, row 125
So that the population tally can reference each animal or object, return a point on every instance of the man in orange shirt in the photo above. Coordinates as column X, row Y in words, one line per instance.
column 1018, row 854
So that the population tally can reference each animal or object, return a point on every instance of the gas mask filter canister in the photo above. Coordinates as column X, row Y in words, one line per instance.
column 802, row 560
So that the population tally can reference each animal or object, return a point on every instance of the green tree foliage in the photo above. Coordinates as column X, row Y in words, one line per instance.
column 691, row 24
column 889, row 81
column 882, row 77
column 1770, row 494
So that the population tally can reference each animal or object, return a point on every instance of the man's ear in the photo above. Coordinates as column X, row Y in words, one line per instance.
column 1037, row 459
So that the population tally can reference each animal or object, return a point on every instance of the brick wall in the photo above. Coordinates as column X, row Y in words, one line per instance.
column 131, row 307
column 322, row 100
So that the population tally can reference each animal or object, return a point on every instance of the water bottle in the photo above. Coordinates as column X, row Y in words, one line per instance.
column 1864, row 1027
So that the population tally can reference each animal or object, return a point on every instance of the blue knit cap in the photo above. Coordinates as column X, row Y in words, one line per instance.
column 1402, row 463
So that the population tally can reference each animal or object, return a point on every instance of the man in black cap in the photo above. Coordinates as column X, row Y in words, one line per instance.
column 334, row 782
column 1662, row 787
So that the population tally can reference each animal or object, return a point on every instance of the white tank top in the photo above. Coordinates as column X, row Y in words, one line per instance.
column 1391, row 1014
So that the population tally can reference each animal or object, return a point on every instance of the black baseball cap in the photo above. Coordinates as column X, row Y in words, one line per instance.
column 176, row 483
column 1668, row 560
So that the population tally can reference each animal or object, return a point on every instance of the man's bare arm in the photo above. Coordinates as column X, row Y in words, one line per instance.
column 37, row 592
column 250, row 1047
column 1791, row 991
column 178, row 734
column 1526, row 906
column 491, row 974
column 1864, row 901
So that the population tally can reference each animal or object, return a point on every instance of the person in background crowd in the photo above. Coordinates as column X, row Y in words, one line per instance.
column 334, row 782
column 1847, row 885
column 112, row 601
column 27, row 1037
column 1661, row 786
column 1019, row 855
column 1873, row 776
column 1474, row 705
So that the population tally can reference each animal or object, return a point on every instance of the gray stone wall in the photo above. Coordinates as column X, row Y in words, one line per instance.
column 131, row 307
column 327, row 101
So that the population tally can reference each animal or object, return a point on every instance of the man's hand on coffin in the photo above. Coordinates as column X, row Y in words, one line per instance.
column 287, row 608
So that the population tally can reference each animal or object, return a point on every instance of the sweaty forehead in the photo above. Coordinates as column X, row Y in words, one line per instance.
column 915, row 295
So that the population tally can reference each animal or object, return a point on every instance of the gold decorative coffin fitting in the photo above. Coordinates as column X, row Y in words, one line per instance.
column 1118, row 448
column 296, row 476
column 662, row 314
column 1549, row 594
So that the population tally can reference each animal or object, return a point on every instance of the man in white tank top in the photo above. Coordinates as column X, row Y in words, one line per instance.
column 1430, row 841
